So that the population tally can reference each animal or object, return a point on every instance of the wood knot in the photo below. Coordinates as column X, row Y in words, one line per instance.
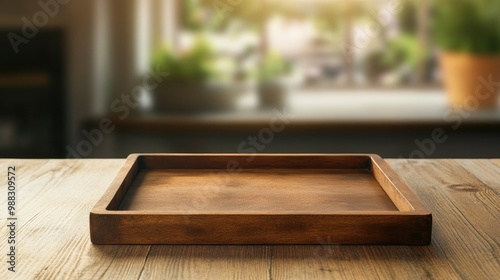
column 464, row 188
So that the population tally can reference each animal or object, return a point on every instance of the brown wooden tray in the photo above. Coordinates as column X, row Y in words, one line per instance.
column 258, row 199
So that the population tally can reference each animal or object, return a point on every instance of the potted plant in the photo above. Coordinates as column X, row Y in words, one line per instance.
column 468, row 32
column 272, row 88
column 194, row 84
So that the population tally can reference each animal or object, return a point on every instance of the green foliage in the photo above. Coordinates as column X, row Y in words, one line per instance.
column 191, row 15
column 329, row 19
column 407, row 18
column 216, row 15
column 196, row 64
column 272, row 67
column 403, row 49
column 471, row 26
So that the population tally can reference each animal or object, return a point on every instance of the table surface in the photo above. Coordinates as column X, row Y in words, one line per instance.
column 55, row 197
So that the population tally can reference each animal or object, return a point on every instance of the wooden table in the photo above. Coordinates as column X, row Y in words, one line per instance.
column 56, row 196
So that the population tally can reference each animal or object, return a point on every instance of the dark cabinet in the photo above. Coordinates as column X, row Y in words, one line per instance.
column 32, row 115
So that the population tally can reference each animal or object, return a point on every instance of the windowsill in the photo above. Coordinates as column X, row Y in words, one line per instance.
column 324, row 109
column 386, row 123
column 371, row 106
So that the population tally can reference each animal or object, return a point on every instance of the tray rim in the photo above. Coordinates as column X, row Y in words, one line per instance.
column 386, row 172
column 396, row 189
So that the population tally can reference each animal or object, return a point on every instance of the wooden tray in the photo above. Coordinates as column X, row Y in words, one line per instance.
column 258, row 199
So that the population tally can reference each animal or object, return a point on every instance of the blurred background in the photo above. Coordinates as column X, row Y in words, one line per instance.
column 106, row 78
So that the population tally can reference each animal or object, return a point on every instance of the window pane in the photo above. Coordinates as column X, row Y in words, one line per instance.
column 327, row 43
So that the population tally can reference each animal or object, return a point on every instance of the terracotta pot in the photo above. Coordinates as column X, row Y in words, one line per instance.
column 471, row 81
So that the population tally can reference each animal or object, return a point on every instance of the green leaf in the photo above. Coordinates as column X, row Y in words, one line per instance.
column 471, row 26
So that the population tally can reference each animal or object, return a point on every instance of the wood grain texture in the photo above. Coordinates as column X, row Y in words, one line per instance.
column 55, row 197
column 465, row 232
column 360, row 262
column 278, row 191
column 467, row 212
column 207, row 262
column 262, row 199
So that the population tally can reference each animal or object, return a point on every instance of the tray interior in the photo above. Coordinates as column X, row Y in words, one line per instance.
column 258, row 199
column 255, row 190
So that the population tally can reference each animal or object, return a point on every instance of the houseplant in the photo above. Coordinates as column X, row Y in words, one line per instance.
column 399, row 57
column 468, row 32
column 272, row 88
column 194, row 84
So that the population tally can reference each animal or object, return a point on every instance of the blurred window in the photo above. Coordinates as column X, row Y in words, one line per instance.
column 375, row 43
